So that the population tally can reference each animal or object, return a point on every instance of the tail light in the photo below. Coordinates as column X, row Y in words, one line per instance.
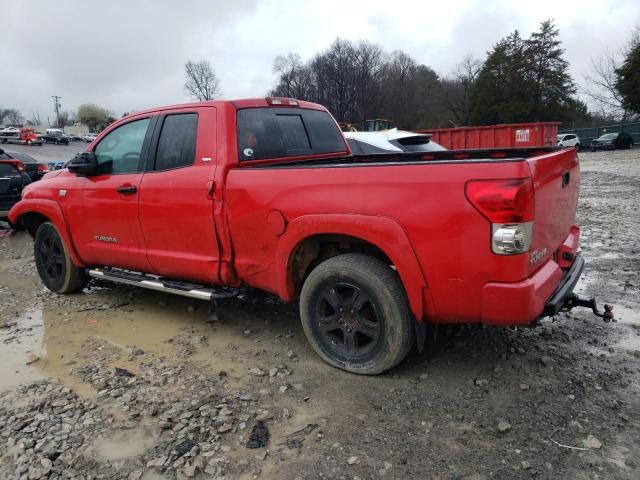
column 282, row 102
column 508, row 205
column 42, row 168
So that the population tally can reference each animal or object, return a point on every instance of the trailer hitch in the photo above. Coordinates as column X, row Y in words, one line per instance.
column 574, row 300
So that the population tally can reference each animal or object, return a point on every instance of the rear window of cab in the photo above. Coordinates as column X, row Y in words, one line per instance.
column 265, row 133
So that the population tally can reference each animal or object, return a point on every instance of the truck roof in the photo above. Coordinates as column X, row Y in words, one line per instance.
column 237, row 104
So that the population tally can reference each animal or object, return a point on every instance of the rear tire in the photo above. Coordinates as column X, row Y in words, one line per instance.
column 355, row 314
column 53, row 262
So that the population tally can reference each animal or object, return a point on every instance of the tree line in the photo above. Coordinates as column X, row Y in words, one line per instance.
column 520, row 80
column 94, row 116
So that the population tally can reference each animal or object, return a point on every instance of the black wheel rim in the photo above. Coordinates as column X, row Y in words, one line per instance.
column 52, row 258
column 348, row 323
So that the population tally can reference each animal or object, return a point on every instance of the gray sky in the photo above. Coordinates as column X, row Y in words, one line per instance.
column 129, row 55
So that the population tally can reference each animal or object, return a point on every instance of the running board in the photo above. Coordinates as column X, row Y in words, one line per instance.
column 161, row 284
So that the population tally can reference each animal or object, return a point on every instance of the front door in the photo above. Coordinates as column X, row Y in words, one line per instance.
column 110, row 226
column 176, row 196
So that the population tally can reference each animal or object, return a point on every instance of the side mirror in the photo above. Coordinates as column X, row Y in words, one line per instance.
column 84, row 163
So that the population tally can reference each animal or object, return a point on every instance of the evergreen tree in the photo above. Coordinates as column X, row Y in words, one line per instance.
column 628, row 81
column 525, row 81
column 548, row 75
column 500, row 90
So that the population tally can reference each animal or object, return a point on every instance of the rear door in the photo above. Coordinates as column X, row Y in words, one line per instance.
column 105, row 221
column 176, row 196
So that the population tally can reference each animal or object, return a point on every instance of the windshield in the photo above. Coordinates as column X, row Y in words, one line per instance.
column 608, row 136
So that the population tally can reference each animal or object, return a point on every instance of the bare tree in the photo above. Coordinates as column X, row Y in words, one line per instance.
column 11, row 116
column 202, row 82
column 295, row 79
column 35, row 119
column 601, row 85
column 456, row 89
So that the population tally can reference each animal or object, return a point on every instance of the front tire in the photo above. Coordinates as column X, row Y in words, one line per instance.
column 53, row 262
column 355, row 314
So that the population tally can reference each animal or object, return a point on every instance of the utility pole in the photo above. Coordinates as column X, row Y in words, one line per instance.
column 56, row 106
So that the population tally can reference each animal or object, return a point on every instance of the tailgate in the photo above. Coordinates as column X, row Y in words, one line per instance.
column 556, row 179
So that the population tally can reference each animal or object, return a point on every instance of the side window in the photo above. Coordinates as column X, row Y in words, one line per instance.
column 119, row 151
column 177, row 144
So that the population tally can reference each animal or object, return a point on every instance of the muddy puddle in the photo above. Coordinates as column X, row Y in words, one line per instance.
column 50, row 342
column 21, row 344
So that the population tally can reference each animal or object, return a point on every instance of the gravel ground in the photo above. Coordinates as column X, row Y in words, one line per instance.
column 118, row 382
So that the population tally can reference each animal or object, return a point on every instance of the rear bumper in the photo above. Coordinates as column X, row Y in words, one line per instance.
column 564, row 290
column 542, row 294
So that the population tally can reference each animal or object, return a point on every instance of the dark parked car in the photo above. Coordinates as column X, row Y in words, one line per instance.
column 56, row 137
column 612, row 141
column 34, row 168
column 13, row 179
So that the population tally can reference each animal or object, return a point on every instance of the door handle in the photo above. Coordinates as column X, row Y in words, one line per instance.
column 127, row 190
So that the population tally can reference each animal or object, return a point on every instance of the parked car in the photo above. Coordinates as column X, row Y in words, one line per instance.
column 34, row 168
column 612, row 141
column 390, row 141
column 569, row 140
column 13, row 179
column 76, row 138
column 90, row 137
column 55, row 136
column 267, row 193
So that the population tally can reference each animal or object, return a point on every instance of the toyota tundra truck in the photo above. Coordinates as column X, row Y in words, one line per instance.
column 266, row 193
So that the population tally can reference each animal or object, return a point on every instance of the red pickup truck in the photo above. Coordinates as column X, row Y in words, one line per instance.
column 265, row 192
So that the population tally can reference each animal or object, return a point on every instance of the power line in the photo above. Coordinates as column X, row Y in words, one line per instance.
column 56, row 106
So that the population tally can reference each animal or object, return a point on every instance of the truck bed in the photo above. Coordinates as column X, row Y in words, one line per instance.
column 425, row 195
